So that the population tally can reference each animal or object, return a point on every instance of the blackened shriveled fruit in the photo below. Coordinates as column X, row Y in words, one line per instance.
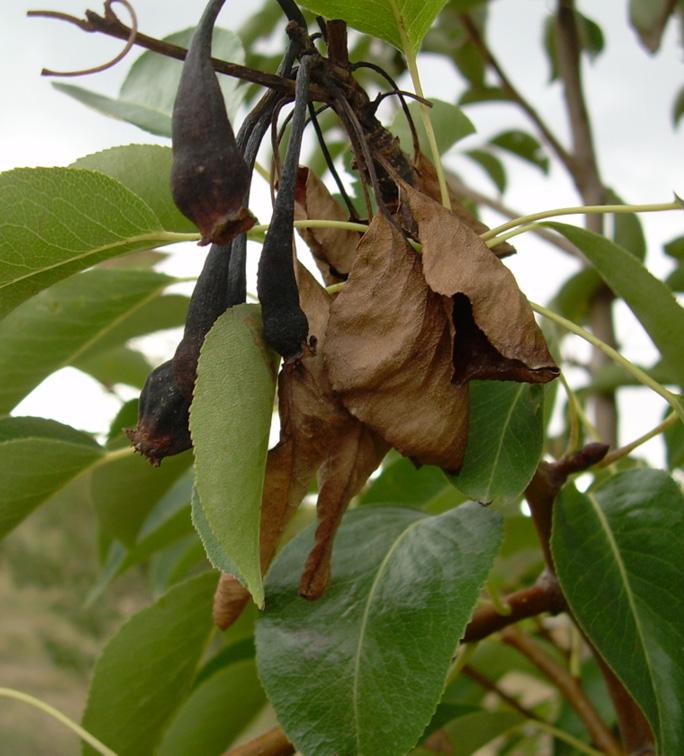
column 209, row 177
column 209, row 300
column 163, row 415
column 285, row 325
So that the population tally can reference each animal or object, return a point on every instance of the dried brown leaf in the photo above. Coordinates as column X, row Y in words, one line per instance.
column 230, row 599
column 351, row 459
column 388, row 352
column 427, row 183
column 497, row 336
column 316, row 432
column 332, row 248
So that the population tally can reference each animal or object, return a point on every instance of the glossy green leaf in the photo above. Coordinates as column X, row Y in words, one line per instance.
column 402, row 23
column 216, row 712
column 362, row 669
column 37, row 459
column 54, row 328
column 125, row 489
column 402, row 484
column 58, row 221
column 145, row 169
column 149, row 91
column 618, row 553
column 524, row 146
column 491, row 165
column 230, row 418
column 449, row 122
column 146, row 670
column 648, row 298
column 505, row 441
column 649, row 19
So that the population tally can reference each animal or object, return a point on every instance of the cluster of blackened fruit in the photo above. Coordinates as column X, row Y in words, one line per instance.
column 210, row 183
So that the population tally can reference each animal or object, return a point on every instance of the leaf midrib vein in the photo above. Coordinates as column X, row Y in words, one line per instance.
column 364, row 621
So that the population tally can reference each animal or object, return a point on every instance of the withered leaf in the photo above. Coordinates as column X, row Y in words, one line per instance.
column 316, row 432
column 333, row 248
column 497, row 336
column 427, row 183
column 388, row 352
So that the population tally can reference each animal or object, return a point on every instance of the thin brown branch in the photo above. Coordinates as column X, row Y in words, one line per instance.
column 568, row 686
column 515, row 95
column 637, row 737
column 548, row 481
column 544, row 596
column 485, row 682
column 113, row 27
column 271, row 743
column 587, row 178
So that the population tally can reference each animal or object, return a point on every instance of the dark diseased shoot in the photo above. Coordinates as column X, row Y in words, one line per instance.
column 285, row 324
column 209, row 178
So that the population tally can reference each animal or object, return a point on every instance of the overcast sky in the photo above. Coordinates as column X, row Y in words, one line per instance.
column 630, row 95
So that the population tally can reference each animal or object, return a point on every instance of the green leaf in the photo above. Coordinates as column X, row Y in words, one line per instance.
column 676, row 279
column 159, row 314
column 590, row 38
column 449, row 122
column 573, row 299
column 173, row 563
column 402, row 23
column 675, row 248
column 491, row 165
column 168, row 522
column 146, row 670
column 58, row 221
column 54, row 328
column 618, row 553
column 404, row 585
column 523, row 145
column 402, row 484
column 125, row 489
column 216, row 554
column 216, row 712
column 649, row 19
column 678, row 108
column 230, row 418
column 117, row 365
column 505, row 442
column 627, row 231
column 648, row 298
column 149, row 90
column 145, row 169
column 674, row 444
column 37, row 459
column 470, row 732
column 474, row 95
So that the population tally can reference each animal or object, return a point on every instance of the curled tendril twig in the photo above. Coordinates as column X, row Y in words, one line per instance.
column 86, row 26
